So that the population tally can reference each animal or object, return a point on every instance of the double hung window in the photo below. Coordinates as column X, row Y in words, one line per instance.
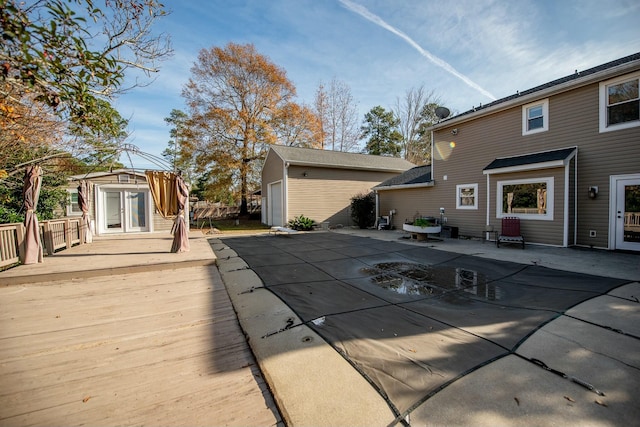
column 620, row 103
column 535, row 117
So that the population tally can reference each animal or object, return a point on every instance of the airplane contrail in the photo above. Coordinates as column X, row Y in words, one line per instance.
column 366, row 14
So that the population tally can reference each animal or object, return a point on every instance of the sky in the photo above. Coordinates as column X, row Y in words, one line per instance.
column 467, row 52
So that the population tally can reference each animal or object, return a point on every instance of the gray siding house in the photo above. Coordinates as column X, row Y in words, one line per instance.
column 120, row 202
column 319, row 184
column 564, row 157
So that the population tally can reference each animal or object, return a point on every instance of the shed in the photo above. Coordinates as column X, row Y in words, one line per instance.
column 319, row 184
column 120, row 202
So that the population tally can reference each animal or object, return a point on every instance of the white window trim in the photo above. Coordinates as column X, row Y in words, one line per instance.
column 603, row 104
column 545, row 117
column 70, row 211
column 475, row 196
column 550, row 192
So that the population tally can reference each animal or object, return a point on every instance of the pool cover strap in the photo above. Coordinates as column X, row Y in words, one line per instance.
column 567, row 377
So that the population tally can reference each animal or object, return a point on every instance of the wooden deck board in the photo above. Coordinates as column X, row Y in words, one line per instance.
column 148, row 348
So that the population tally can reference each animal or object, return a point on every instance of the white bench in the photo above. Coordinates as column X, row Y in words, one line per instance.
column 276, row 230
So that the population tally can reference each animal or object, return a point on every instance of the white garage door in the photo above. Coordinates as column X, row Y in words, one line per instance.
column 275, row 204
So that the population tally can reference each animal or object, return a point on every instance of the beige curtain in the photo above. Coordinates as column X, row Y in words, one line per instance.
column 180, row 233
column 163, row 191
column 542, row 201
column 509, row 202
column 84, row 192
column 30, row 194
column 170, row 194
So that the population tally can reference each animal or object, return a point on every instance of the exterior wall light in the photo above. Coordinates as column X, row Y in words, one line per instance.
column 593, row 192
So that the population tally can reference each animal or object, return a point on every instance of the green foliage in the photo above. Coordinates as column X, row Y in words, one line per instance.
column 363, row 209
column 301, row 223
column 47, row 51
column 53, row 197
column 8, row 215
column 381, row 127
column 423, row 222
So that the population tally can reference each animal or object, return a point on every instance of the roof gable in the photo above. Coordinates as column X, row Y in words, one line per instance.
column 102, row 174
column 417, row 176
column 338, row 159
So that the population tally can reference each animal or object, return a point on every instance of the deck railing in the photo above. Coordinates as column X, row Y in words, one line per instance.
column 55, row 235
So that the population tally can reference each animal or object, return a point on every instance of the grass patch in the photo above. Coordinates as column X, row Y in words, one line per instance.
column 235, row 226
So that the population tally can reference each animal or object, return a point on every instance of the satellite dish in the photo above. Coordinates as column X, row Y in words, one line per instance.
column 442, row 112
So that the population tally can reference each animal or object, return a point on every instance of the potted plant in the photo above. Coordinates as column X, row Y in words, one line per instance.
column 422, row 226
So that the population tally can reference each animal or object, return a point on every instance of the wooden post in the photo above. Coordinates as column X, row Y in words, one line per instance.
column 48, row 238
column 20, row 239
column 68, row 233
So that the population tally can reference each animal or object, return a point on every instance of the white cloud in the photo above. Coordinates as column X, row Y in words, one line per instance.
column 365, row 13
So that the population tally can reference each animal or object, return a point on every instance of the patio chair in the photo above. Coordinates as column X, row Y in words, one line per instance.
column 510, row 232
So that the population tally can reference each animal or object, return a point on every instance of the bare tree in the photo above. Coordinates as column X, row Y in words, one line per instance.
column 416, row 111
column 338, row 113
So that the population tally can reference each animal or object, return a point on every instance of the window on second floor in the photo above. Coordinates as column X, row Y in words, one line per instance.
column 620, row 103
column 535, row 117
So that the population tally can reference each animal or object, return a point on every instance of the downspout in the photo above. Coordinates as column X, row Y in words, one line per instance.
column 433, row 169
column 285, row 193
column 488, row 222
column 377, row 206
column 565, row 225
column 575, row 199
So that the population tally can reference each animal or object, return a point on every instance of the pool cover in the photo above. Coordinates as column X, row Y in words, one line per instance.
column 412, row 319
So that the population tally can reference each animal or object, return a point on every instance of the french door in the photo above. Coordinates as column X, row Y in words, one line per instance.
column 627, row 212
column 125, row 211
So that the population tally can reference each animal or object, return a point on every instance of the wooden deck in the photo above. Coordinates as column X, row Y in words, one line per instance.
column 146, row 348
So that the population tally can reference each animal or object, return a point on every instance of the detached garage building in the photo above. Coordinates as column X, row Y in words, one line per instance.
column 319, row 184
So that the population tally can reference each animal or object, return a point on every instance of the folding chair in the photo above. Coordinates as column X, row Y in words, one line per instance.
column 510, row 232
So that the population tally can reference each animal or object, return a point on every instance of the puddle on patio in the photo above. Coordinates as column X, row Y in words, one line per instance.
column 408, row 278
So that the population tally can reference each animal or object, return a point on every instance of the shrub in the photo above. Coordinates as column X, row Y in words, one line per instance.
column 301, row 223
column 423, row 222
column 363, row 208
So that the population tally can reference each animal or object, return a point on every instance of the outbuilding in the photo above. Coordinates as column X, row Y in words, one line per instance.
column 319, row 184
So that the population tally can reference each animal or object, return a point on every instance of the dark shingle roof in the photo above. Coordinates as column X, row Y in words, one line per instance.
column 575, row 76
column 529, row 159
column 417, row 175
column 329, row 158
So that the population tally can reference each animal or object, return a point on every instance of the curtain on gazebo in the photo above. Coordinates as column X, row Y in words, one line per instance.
column 170, row 194
column 84, row 191
column 30, row 194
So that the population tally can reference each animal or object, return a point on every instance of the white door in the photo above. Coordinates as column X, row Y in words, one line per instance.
column 125, row 211
column 627, row 214
column 136, row 207
column 113, row 212
column 275, row 204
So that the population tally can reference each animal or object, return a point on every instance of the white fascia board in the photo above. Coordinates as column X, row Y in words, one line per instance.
column 528, row 167
column 332, row 166
column 405, row 186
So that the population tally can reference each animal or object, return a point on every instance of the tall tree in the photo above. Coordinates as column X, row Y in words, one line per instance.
column 71, row 56
column 381, row 129
column 178, row 120
column 297, row 126
column 60, row 64
column 416, row 111
column 337, row 111
column 234, row 95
